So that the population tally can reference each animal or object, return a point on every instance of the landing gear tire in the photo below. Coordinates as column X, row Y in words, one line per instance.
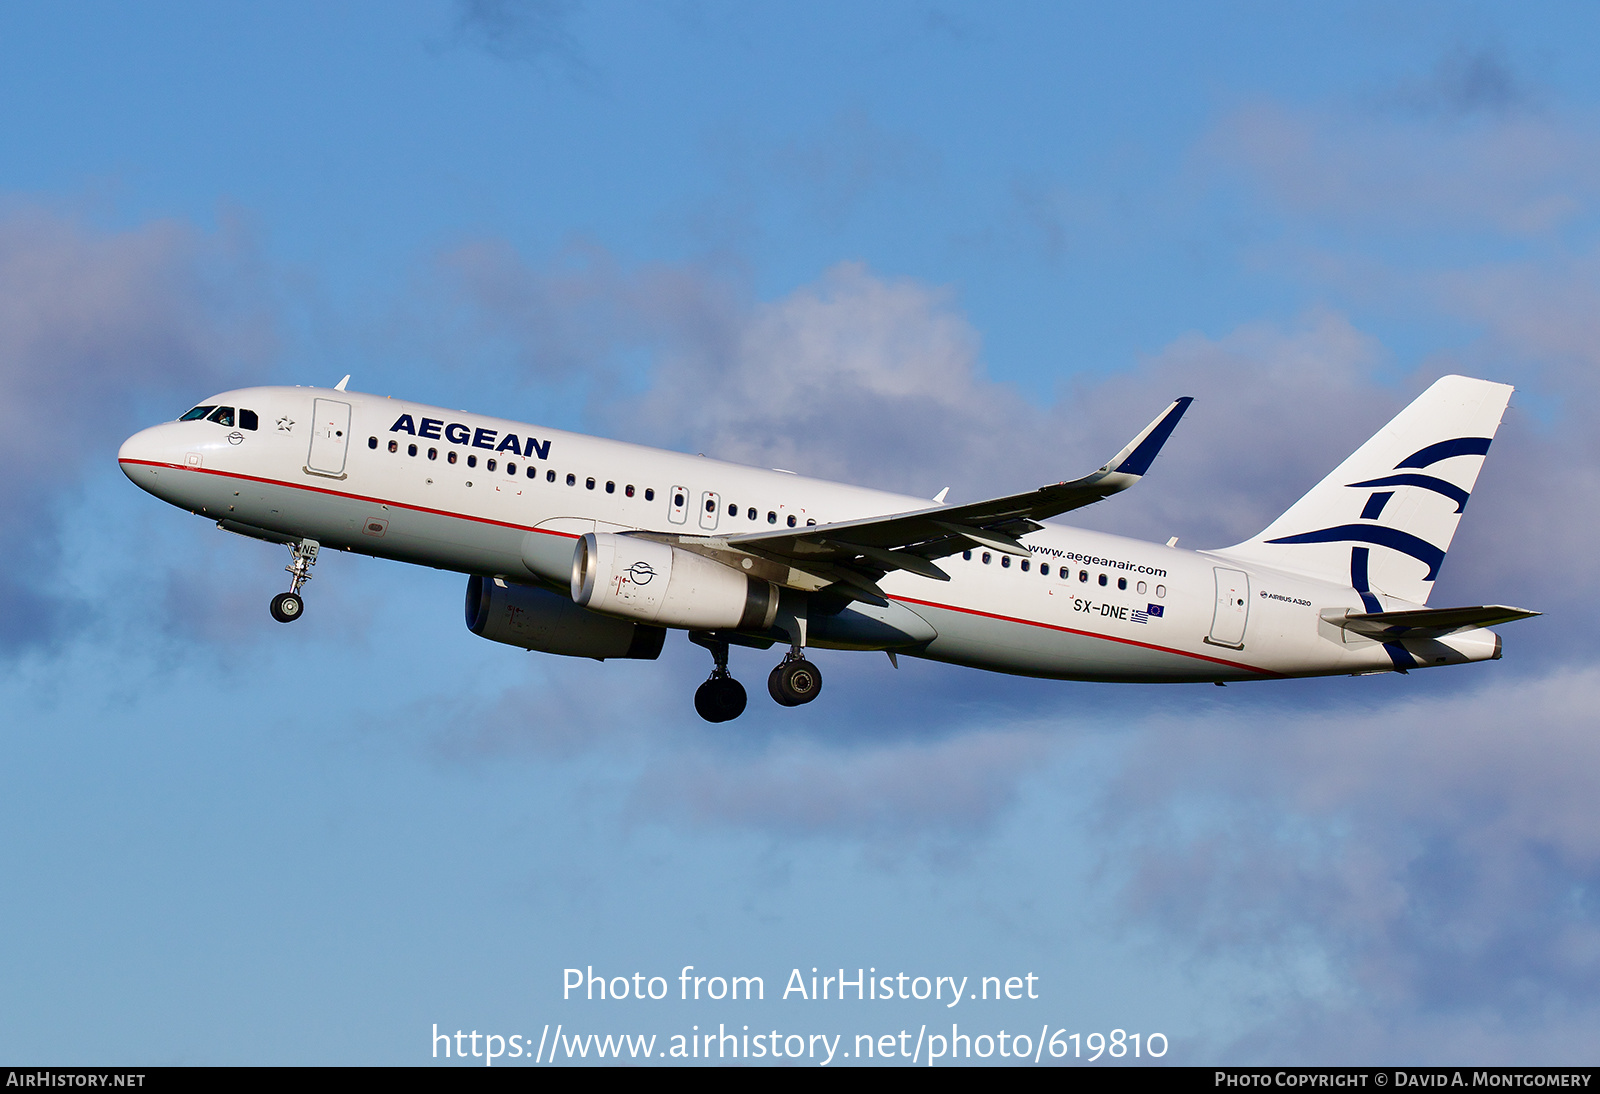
column 287, row 607
column 720, row 699
column 795, row 682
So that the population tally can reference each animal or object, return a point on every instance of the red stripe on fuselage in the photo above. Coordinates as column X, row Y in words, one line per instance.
column 569, row 535
column 352, row 497
column 1084, row 634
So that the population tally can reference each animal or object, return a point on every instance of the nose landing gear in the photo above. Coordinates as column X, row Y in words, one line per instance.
column 287, row 607
column 795, row 681
column 721, row 698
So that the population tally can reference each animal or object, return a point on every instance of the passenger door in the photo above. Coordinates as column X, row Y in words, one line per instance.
column 330, row 438
column 1233, row 609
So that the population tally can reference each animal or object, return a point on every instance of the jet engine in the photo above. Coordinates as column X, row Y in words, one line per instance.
column 538, row 619
column 668, row 586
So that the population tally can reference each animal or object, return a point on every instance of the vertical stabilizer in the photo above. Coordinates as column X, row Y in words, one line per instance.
column 1384, row 519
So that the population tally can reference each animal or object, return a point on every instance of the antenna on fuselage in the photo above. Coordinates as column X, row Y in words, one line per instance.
column 340, row 385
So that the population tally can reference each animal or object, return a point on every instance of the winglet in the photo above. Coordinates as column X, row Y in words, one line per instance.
column 1141, row 451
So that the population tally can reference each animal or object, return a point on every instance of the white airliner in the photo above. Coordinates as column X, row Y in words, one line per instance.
column 595, row 548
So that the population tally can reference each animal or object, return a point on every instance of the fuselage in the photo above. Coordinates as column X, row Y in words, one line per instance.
column 503, row 499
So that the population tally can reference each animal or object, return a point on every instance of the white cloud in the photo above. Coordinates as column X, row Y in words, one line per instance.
column 94, row 326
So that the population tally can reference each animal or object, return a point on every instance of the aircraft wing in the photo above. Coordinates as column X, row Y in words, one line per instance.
column 858, row 551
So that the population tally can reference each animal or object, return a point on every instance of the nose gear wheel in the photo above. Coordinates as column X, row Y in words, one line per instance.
column 289, row 606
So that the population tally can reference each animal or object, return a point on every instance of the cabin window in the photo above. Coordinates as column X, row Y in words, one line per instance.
column 733, row 510
column 394, row 446
column 472, row 461
column 572, row 480
column 1083, row 575
column 1140, row 588
column 223, row 415
column 810, row 522
column 549, row 476
column 433, row 453
column 1044, row 569
column 588, row 484
column 1161, row 591
column 511, row 468
column 197, row 413
column 967, row 555
column 677, row 501
column 248, row 420
column 611, row 488
column 411, row 450
column 649, row 493
column 772, row 518
column 1122, row 583
column 372, row 442
column 533, row 472
column 452, row 456
column 489, row 465
column 711, row 505
column 1005, row 562
column 628, row 490
column 1102, row 579
column 1024, row 564
column 792, row 521
column 986, row 557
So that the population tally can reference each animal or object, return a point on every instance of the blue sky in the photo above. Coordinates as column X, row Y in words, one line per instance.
column 904, row 244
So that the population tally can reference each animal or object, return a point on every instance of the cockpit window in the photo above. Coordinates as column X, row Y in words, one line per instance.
column 223, row 415
column 197, row 413
column 248, row 419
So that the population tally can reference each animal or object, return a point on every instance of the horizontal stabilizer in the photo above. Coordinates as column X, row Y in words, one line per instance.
column 1426, row 622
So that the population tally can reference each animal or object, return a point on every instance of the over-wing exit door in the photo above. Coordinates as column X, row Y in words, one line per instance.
column 710, row 510
column 330, row 437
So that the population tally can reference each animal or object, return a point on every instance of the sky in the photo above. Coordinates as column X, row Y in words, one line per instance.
column 908, row 245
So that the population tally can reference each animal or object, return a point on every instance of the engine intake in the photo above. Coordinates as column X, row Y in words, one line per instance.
column 538, row 619
column 668, row 586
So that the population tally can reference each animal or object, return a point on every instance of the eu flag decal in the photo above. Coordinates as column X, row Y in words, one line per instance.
column 1154, row 609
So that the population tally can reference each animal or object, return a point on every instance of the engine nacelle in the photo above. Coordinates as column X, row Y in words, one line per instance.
column 668, row 586
column 538, row 619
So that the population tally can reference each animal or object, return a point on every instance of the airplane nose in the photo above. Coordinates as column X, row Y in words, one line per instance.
column 139, row 452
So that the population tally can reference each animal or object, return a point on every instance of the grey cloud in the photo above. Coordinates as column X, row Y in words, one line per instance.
column 1435, row 857
column 528, row 31
column 95, row 327
column 1523, row 175
column 1465, row 82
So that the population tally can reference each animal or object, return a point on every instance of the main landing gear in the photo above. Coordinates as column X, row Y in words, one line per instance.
column 287, row 607
column 795, row 680
column 721, row 698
